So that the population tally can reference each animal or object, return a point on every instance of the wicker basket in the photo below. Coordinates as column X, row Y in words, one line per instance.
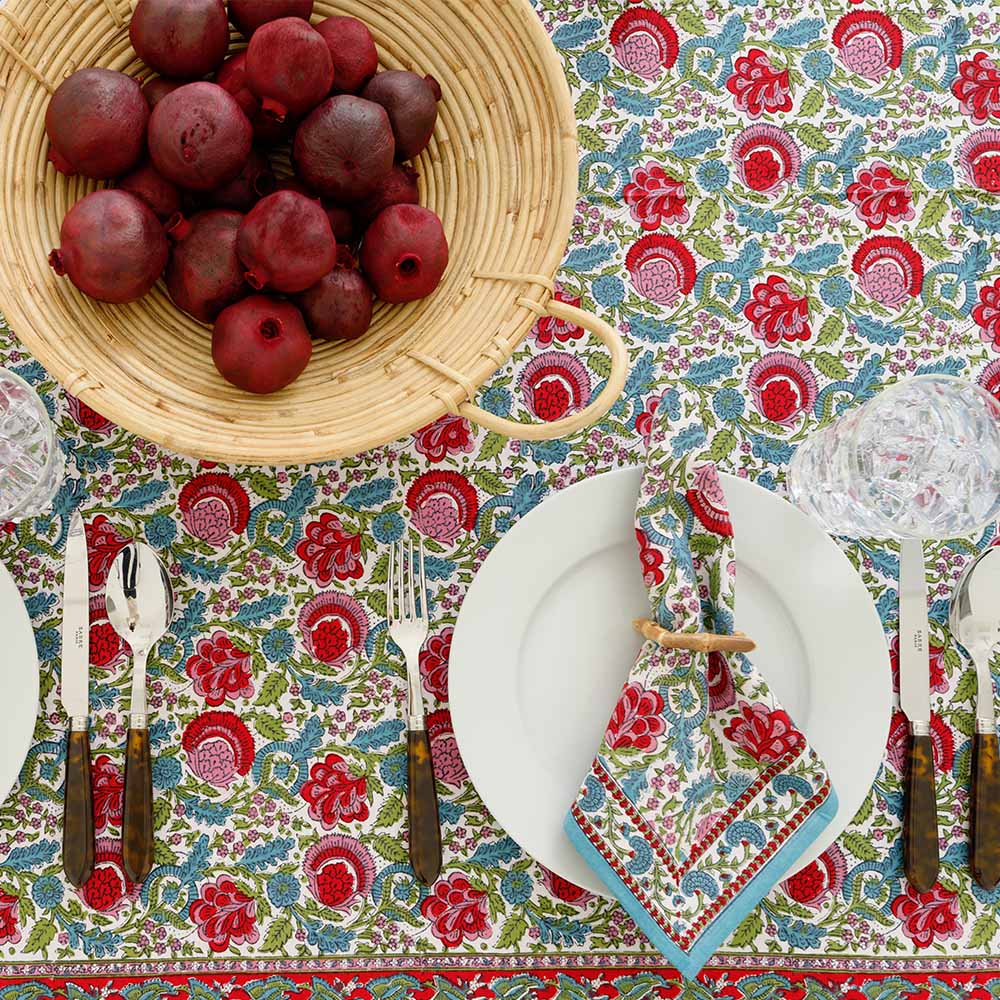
column 501, row 172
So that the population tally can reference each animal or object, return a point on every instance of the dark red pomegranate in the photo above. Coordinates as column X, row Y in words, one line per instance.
column 405, row 253
column 267, row 130
column 249, row 15
column 286, row 242
column 294, row 184
column 411, row 103
column 355, row 58
column 344, row 149
column 113, row 246
column 96, row 124
column 198, row 137
column 398, row 187
column 158, row 87
column 150, row 186
column 261, row 344
column 339, row 305
column 180, row 38
column 341, row 221
column 289, row 67
column 252, row 183
column 204, row 274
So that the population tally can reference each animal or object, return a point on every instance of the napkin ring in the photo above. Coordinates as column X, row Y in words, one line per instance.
column 698, row 642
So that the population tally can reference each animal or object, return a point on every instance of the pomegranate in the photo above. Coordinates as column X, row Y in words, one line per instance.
column 289, row 67
column 150, row 186
column 96, row 124
column 267, row 130
column 180, row 38
column 249, row 15
column 286, row 242
column 198, row 137
column 252, row 183
column 158, row 87
column 398, row 187
column 294, row 184
column 339, row 305
column 341, row 221
column 405, row 253
column 261, row 344
column 411, row 103
column 355, row 58
column 204, row 274
column 344, row 149
column 113, row 246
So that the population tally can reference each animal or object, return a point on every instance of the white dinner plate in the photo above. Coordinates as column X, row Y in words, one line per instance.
column 544, row 642
column 18, row 683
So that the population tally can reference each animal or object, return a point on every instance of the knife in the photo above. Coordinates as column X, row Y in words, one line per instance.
column 920, row 831
column 78, row 805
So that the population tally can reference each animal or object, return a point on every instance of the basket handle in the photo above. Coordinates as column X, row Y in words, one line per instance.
column 593, row 411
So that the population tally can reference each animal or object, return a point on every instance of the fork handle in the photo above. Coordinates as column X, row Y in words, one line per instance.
column 425, row 827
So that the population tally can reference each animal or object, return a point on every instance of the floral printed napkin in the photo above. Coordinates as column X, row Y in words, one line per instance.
column 703, row 792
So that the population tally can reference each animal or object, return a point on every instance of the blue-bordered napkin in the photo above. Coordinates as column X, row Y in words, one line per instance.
column 703, row 792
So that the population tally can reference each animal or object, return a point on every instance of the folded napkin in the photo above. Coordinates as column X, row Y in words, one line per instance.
column 703, row 792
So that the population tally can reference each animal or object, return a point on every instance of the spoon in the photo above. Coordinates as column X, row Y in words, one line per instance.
column 140, row 603
column 975, row 622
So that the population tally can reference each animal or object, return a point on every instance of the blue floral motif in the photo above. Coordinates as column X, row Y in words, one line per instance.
column 167, row 772
column 516, row 887
column 593, row 66
column 713, row 175
column 47, row 892
column 496, row 400
column 283, row 889
column 835, row 291
column 817, row 65
column 161, row 531
column 609, row 290
column 278, row 645
column 728, row 404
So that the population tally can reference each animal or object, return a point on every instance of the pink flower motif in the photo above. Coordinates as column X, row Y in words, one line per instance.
column 554, row 384
column 819, row 880
column 448, row 435
column 214, row 507
column 757, row 86
column 328, row 552
column 219, row 747
column 553, row 328
column 869, row 43
column 108, row 890
column 977, row 88
column 108, row 788
column 636, row 722
column 721, row 692
column 987, row 314
column 646, row 421
column 340, row 871
column 783, row 387
column 989, row 378
column 448, row 764
column 651, row 558
column 879, row 196
column 766, row 157
column 889, row 270
column 661, row 268
column 107, row 648
column 89, row 419
column 104, row 542
column 457, row 911
column 220, row 670
column 443, row 504
column 224, row 915
column 10, row 933
column 928, row 917
column 564, row 890
column 655, row 197
column 707, row 501
column 333, row 625
column 942, row 743
column 644, row 42
column 765, row 734
column 434, row 663
column 979, row 158
column 335, row 793
column 776, row 313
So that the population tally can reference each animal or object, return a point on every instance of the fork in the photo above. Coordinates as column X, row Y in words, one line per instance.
column 408, row 630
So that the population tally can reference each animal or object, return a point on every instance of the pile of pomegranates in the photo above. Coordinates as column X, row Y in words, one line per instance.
column 271, row 262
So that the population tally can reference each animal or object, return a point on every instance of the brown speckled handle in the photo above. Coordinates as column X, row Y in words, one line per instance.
column 920, row 830
column 425, row 827
column 78, row 810
column 137, row 814
column 985, row 810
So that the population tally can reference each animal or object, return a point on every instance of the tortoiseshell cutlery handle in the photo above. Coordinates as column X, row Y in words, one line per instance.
column 920, row 830
column 78, row 807
column 137, row 816
column 985, row 809
column 425, row 827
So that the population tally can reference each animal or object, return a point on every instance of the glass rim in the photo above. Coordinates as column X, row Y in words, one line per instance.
column 53, row 444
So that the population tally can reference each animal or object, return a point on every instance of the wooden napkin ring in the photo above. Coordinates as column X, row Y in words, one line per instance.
column 698, row 642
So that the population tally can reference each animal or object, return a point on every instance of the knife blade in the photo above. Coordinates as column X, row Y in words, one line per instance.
column 78, row 809
column 920, row 831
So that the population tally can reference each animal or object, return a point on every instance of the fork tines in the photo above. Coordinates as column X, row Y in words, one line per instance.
column 405, row 599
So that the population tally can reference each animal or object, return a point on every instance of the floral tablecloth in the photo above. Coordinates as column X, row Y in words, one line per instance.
column 784, row 207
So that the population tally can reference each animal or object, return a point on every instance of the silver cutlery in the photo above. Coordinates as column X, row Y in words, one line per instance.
column 78, row 805
column 975, row 623
column 140, row 604
column 406, row 609
column 920, row 830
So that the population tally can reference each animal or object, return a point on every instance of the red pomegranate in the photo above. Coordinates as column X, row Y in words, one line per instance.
column 405, row 253
column 286, row 243
column 150, row 186
column 267, row 130
column 249, row 15
column 341, row 221
column 198, row 137
column 261, row 345
column 355, row 58
column 204, row 274
column 185, row 39
column 289, row 67
column 113, row 246
column 158, row 87
column 252, row 183
column 339, row 305
column 398, row 187
column 96, row 124
column 411, row 104
column 345, row 148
